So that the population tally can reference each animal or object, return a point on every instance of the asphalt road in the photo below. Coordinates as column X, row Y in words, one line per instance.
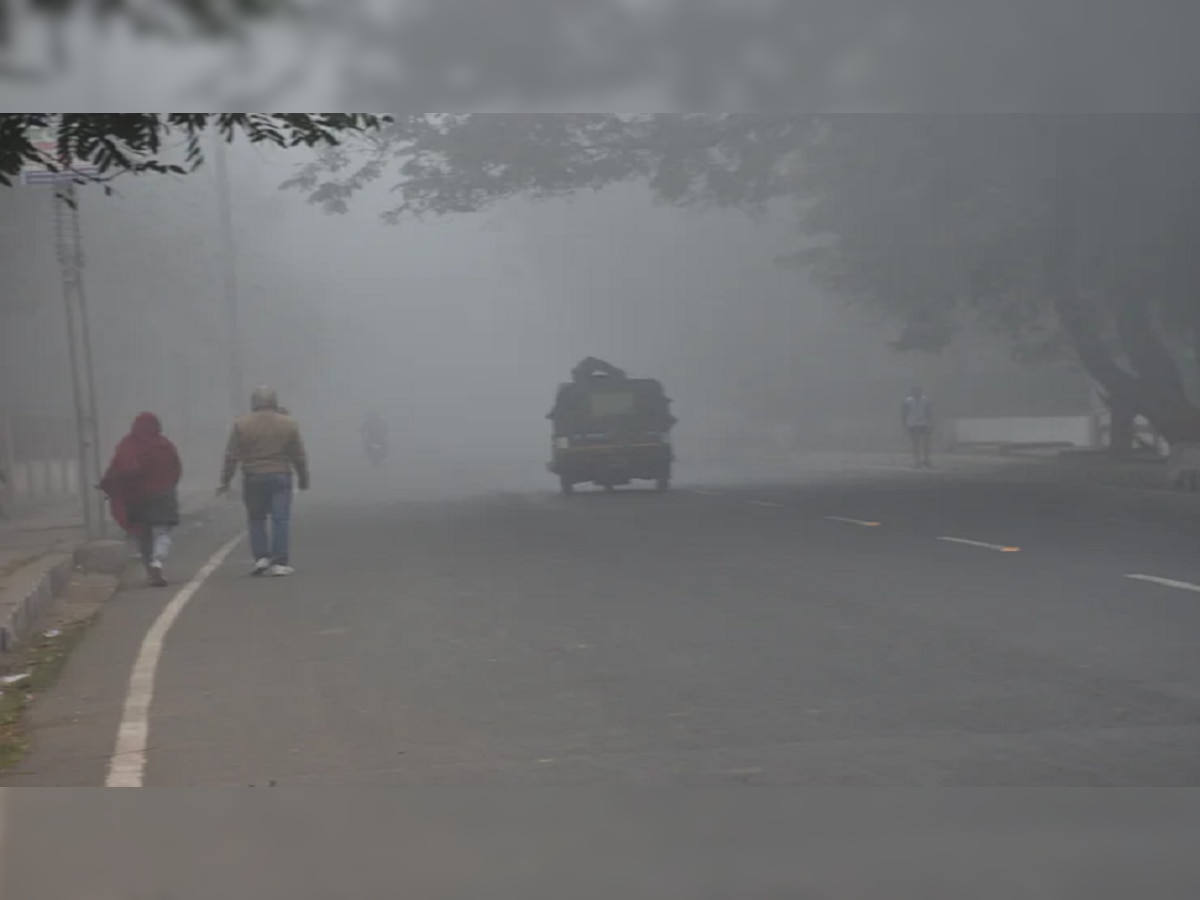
column 834, row 624
column 833, row 629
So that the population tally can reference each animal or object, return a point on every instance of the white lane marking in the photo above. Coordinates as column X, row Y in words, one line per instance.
column 706, row 493
column 766, row 503
column 861, row 522
column 128, row 764
column 1167, row 582
column 999, row 548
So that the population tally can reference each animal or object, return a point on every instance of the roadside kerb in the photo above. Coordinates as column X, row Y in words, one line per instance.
column 28, row 592
column 31, row 591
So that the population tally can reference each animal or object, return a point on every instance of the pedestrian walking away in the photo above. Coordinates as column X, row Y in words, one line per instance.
column 142, row 485
column 917, row 418
column 270, row 451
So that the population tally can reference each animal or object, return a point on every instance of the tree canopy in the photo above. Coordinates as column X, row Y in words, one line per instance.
column 1059, row 232
column 117, row 143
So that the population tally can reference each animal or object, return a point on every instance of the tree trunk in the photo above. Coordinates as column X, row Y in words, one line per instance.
column 1154, row 390
column 1162, row 395
column 1122, row 430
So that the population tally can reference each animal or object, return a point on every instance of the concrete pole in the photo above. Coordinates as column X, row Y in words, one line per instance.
column 237, row 392
column 68, row 261
column 89, row 367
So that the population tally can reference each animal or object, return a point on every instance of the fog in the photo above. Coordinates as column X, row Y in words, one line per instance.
column 621, row 54
column 456, row 330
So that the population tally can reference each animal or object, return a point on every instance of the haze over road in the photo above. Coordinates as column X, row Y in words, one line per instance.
column 841, row 626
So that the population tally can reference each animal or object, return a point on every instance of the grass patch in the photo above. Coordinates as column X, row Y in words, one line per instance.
column 44, row 658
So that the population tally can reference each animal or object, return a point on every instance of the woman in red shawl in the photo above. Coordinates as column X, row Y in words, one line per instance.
column 142, row 486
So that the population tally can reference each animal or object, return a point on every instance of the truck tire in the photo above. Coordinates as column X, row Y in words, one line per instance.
column 663, row 484
column 566, row 485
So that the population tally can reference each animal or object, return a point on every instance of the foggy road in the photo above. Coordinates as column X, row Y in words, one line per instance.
column 885, row 629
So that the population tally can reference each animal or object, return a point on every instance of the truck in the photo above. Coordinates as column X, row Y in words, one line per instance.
column 610, row 429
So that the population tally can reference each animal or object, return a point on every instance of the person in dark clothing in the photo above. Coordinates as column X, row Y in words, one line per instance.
column 142, row 484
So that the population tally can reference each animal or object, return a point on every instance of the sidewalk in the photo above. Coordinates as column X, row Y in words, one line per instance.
column 40, row 547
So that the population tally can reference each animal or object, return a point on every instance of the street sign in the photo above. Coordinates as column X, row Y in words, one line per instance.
column 44, row 139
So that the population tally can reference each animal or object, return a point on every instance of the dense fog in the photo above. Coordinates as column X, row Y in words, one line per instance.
column 458, row 330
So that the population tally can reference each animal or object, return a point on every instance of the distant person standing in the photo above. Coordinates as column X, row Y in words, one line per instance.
column 142, row 484
column 374, row 432
column 268, row 447
column 918, row 422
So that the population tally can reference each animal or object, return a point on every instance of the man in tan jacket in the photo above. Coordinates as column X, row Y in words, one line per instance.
column 268, row 447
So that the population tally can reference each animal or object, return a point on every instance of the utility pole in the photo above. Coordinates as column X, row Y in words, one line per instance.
column 237, row 393
column 69, row 243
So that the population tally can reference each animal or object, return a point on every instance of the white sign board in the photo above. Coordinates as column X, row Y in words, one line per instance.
column 1078, row 431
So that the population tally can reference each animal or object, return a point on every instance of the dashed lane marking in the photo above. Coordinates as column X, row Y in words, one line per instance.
column 705, row 493
column 766, row 503
column 127, row 767
column 999, row 548
column 1167, row 582
column 861, row 522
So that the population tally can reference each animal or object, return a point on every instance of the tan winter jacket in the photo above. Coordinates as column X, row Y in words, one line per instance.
column 266, row 442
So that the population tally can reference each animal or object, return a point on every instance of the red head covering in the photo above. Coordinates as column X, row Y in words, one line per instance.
column 145, row 464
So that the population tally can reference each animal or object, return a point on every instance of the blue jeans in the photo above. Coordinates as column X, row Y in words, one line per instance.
column 268, row 495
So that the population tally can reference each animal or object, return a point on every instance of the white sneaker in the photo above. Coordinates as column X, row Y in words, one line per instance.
column 262, row 567
column 281, row 571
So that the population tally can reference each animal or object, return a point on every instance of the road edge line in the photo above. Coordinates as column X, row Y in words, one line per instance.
column 1167, row 582
column 127, row 766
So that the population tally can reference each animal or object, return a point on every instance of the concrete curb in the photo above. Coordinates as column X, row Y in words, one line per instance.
column 36, row 585
column 23, row 604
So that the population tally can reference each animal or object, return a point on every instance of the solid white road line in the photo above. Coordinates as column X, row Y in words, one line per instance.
column 766, row 503
column 999, row 548
column 861, row 522
column 1167, row 582
column 128, row 764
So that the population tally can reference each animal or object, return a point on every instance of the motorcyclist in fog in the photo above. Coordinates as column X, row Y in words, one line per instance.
column 374, row 432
